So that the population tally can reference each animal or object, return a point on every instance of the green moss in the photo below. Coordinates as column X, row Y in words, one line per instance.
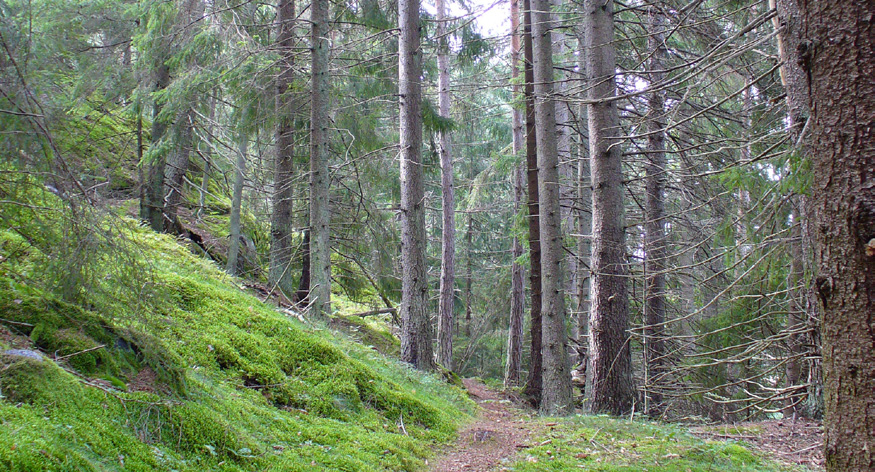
column 601, row 443
column 37, row 382
column 239, row 386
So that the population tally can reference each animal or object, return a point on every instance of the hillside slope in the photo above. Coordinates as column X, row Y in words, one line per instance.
column 156, row 360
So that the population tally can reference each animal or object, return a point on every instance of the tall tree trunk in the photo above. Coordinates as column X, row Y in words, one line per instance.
column 152, row 206
column 513, row 367
column 584, row 222
column 175, row 178
column 533, row 385
column 654, row 215
column 448, row 233
column 416, row 348
column 192, row 11
column 279, row 271
column 556, row 396
column 609, row 375
column 469, row 265
column 208, row 160
column 839, row 58
column 320, row 215
column 232, row 266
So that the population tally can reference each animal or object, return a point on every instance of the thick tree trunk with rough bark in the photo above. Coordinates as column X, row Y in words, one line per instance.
column 654, row 215
column 231, row 265
column 279, row 271
column 320, row 215
column 609, row 374
column 416, row 328
column 533, row 384
column 448, row 232
column 174, row 180
column 556, row 389
column 152, row 204
column 513, row 367
column 838, row 56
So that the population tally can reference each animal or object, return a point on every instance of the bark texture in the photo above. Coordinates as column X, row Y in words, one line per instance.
column 416, row 329
column 609, row 373
column 320, row 215
column 654, row 215
column 556, row 389
column 838, row 56
column 174, row 180
column 280, row 273
column 513, row 367
column 152, row 205
column 583, row 213
column 533, row 384
column 448, row 232
column 231, row 265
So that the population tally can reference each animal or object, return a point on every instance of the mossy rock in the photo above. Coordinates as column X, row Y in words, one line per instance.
column 36, row 382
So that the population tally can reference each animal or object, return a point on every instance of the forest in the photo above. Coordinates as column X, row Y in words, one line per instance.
column 453, row 235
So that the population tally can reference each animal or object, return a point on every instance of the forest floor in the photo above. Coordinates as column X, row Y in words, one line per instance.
column 793, row 442
column 506, row 426
column 503, row 427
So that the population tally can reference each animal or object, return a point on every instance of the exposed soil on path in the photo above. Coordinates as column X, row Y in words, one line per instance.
column 502, row 429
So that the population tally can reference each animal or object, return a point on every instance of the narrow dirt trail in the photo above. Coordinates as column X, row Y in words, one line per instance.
column 502, row 429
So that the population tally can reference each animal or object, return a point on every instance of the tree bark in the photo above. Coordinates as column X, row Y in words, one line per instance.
column 152, row 206
column 513, row 367
column 448, row 233
column 584, row 223
column 793, row 78
column 534, row 382
column 231, row 265
column 654, row 215
column 175, row 178
column 279, row 271
column 609, row 374
column 556, row 390
column 838, row 56
column 416, row 329
column 208, row 160
column 320, row 215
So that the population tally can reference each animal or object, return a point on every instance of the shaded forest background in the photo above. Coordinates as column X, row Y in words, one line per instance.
column 195, row 116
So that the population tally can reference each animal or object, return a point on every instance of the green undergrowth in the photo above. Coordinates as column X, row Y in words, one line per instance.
column 601, row 443
column 195, row 374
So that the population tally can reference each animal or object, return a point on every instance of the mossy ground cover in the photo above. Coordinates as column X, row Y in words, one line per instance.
column 605, row 444
column 237, row 385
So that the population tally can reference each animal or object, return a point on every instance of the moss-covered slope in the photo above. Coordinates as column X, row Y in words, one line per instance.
column 195, row 375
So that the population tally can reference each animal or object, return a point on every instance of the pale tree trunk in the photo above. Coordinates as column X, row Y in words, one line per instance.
column 654, row 215
column 609, row 374
column 838, row 56
column 584, row 223
column 416, row 329
column 320, row 216
column 534, row 382
column 448, row 234
column 232, row 266
column 556, row 398
column 279, row 271
column 567, row 166
column 207, row 154
column 513, row 367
